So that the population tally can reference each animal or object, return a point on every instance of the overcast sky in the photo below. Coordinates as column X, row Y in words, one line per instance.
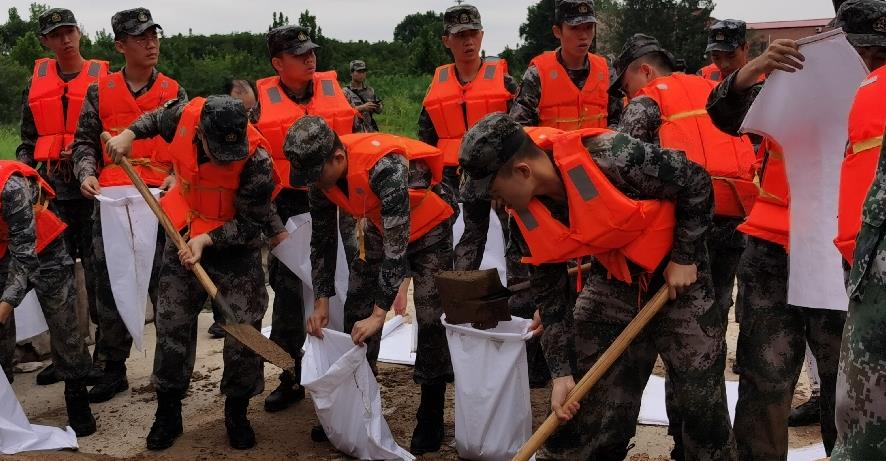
column 371, row 20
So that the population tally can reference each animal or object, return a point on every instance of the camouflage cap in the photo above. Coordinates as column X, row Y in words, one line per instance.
column 290, row 39
column 727, row 35
column 636, row 46
column 54, row 18
column 357, row 65
column 132, row 22
column 308, row 146
column 485, row 148
column 575, row 12
column 864, row 22
column 460, row 18
column 223, row 122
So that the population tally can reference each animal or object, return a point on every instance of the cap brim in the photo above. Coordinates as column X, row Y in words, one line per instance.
column 866, row 40
column 471, row 190
column 581, row 20
column 143, row 27
column 357, row 69
column 302, row 48
column 56, row 26
column 225, row 152
column 718, row 46
column 463, row 27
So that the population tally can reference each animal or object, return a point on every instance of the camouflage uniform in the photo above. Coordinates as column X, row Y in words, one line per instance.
column 684, row 333
column 773, row 337
column 51, row 274
column 357, row 96
column 115, row 341
column 233, row 262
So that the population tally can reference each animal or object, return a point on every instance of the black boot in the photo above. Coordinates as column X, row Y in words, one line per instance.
column 318, row 434
column 48, row 375
column 77, row 403
column 167, row 421
column 428, row 434
column 216, row 331
column 807, row 414
column 287, row 393
column 112, row 382
column 95, row 375
column 240, row 433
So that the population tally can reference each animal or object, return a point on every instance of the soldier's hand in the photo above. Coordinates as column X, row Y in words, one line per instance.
column 90, row 187
column 119, row 146
column 561, row 388
column 782, row 54
column 168, row 182
column 401, row 301
column 278, row 239
column 364, row 329
column 6, row 310
column 679, row 277
column 536, row 328
column 192, row 254
column 320, row 318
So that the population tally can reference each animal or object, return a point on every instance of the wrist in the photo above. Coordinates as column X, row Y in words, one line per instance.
column 378, row 312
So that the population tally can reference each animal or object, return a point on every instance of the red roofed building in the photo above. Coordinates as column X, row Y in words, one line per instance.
column 761, row 34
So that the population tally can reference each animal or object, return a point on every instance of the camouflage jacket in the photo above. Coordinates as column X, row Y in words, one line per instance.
column 641, row 171
column 869, row 242
column 525, row 107
column 253, row 200
column 358, row 96
column 728, row 107
column 21, row 261
column 87, row 147
column 641, row 119
column 426, row 131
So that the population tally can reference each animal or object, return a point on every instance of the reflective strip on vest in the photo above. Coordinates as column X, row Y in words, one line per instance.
column 687, row 114
column 871, row 143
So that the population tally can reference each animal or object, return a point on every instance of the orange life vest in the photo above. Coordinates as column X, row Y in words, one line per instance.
column 454, row 108
column 48, row 225
column 204, row 194
column 117, row 109
column 711, row 72
column 278, row 113
column 603, row 221
column 686, row 126
column 770, row 219
column 55, row 126
column 364, row 150
column 565, row 106
column 866, row 121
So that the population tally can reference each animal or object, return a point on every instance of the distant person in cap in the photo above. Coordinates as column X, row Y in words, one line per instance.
column 221, row 200
column 111, row 104
column 581, row 100
column 728, row 48
column 363, row 97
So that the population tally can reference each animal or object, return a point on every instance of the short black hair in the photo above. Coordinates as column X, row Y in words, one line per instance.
column 527, row 151
column 655, row 59
column 229, row 85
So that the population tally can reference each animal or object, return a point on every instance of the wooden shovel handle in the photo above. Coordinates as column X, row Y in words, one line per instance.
column 572, row 271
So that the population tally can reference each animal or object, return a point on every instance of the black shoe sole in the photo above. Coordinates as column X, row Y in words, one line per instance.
column 49, row 378
column 84, row 433
column 99, row 398
column 284, row 402
column 241, row 447
column 156, row 447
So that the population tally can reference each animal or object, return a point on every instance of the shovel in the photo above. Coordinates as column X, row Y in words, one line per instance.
column 244, row 333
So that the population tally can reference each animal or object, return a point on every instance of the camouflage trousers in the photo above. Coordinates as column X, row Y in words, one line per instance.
column 426, row 256
column 861, row 388
column 115, row 341
column 54, row 284
column 725, row 247
column 771, row 349
column 686, row 335
column 237, row 271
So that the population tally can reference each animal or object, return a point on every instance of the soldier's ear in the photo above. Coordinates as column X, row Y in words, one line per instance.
column 558, row 32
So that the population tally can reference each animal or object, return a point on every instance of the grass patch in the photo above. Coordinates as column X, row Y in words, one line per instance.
column 8, row 142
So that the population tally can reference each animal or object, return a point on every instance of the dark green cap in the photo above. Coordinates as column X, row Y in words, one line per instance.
column 294, row 40
column 357, row 65
column 727, row 35
column 309, row 144
column 54, row 18
column 224, row 122
column 864, row 22
column 575, row 12
column 460, row 18
column 132, row 22
column 485, row 148
column 636, row 46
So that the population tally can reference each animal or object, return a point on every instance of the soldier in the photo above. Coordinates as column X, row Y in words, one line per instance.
column 51, row 104
column 667, row 109
column 498, row 158
column 363, row 98
column 243, row 90
column 772, row 341
column 111, row 104
column 222, row 161
column 296, row 90
column 728, row 46
column 393, row 190
column 32, row 256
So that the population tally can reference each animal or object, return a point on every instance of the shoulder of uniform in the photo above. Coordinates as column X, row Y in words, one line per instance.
column 16, row 184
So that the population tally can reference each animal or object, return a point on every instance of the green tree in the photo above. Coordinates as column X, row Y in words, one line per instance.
column 27, row 49
column 427, row 51
column 413, row 26
column 14, row 76
column 680, row 25
column 279, row 20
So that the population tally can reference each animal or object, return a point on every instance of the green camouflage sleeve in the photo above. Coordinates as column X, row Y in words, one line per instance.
column 252, row 203
column 389, row 180
column 641, row 120
column 426, row 131
column 728, row 107
column 18, row 213
column 162, row 121
column 27, row 132
column 86, row 148
column 525, row 106
column 324, row 243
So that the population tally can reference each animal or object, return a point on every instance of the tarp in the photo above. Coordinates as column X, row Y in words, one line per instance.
column 18, row 435
column 29, row 319
column 494, row 253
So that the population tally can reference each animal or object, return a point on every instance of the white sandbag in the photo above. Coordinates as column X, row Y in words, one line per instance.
column 129, row 231
column 494, row 253
column 18, row 435
column 29, row 319
column 347, row 399
column 493, row 413
column 396, row 342
column 295, row 253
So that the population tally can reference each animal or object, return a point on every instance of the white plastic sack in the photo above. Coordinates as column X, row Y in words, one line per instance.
column 18, row 435
column 493, row 413
column 295, row 253
column 494, row 253
column 396, row 344
column 29, row 319
column 346, row 398
column 129, row 231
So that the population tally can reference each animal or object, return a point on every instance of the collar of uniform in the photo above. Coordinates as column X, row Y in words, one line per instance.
column 145, row 88
column 585, row 63
column 303, row 99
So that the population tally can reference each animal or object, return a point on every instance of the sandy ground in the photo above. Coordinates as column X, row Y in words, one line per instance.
column 124, row 421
